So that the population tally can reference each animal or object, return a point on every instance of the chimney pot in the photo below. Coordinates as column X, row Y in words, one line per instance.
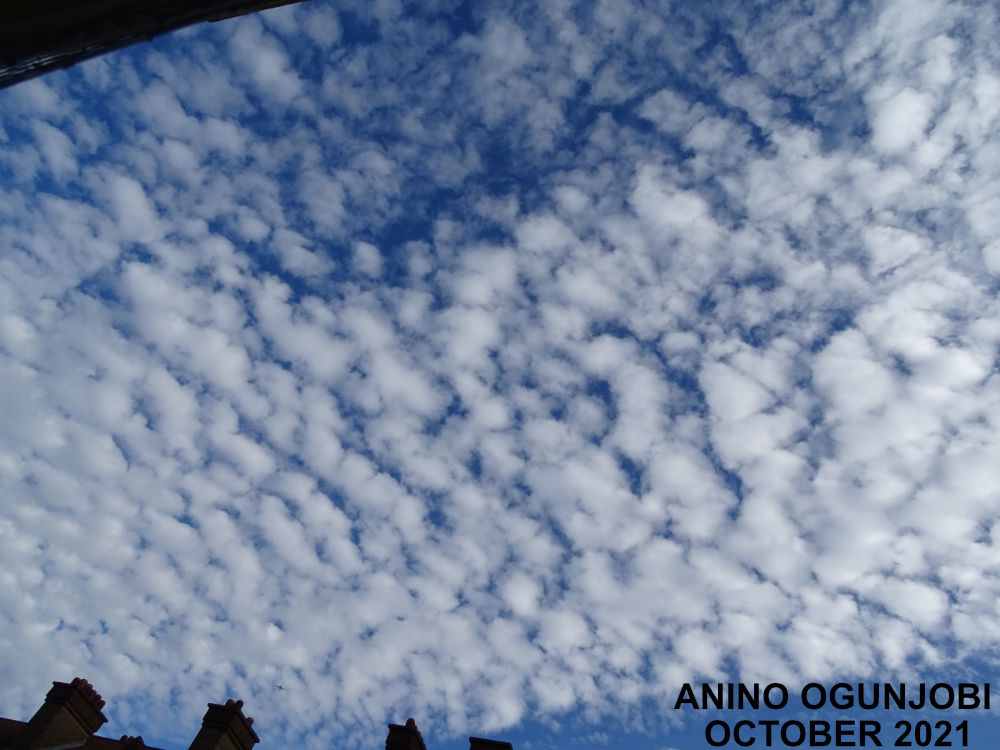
column 88, row 692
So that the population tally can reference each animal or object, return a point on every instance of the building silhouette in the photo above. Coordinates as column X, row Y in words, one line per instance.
column 37, row 36
column 71, row 714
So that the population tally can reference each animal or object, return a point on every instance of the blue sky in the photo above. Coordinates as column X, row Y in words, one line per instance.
column 502, row 366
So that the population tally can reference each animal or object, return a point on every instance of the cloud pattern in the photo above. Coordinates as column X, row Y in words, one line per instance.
column 494, row 363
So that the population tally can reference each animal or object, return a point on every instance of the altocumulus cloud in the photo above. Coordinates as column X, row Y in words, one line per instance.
column 501, row 363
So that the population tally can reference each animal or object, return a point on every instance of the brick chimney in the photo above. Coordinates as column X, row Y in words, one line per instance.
column 404, row 737
column 478, row 743
column 225, row 728
column 70, row 715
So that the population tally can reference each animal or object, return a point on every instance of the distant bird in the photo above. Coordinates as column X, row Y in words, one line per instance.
column 280, row 687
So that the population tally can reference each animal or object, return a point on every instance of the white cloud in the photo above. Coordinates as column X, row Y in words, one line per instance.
column 132, row 209
column 57, row 150
column 899, row 119
column 265, row 62
column 367, row 259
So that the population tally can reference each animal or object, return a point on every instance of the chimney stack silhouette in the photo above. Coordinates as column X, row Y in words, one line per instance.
column 478, row 743
column 225, row 728
column 404, row 737
column 69, row 716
